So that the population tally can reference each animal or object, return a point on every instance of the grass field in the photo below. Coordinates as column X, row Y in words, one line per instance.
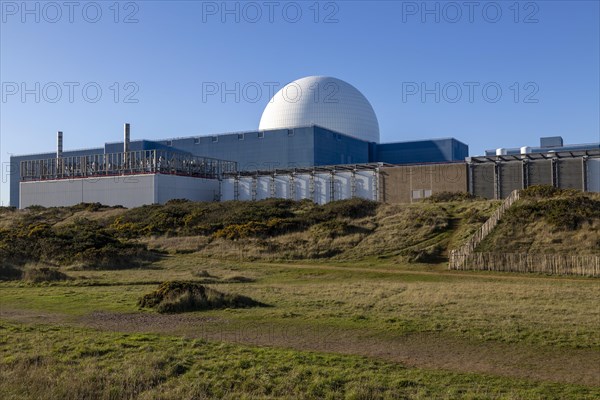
column 351, row 300
column 359, row 330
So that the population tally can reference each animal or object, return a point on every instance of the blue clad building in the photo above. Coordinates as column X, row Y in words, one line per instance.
column 314, row 121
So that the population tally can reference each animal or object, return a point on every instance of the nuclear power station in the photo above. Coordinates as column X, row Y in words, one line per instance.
column 318, row 139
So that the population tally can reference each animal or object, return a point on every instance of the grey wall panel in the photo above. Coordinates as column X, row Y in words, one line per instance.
column 227, row 189
column 511, row 177
column 169, row 187
column 570, row 174
column 483, row 180
column 540, row 172
column 593, row 175
column 129, row 191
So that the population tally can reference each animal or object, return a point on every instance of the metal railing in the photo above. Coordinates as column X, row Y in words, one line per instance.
column 133, row 162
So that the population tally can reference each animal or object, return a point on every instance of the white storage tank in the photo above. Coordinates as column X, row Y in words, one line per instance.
column 501, row 152
column 525, row 150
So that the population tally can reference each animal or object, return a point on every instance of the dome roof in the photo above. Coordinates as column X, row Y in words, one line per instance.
column 325, row 101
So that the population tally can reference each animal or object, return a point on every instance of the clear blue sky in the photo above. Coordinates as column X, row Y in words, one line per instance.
column 550, row 49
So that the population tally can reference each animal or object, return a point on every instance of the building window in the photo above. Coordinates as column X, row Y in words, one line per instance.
column 214, row 139
column 427, row 193
column 196, row 140
column 240, row 136
column 169, row 143
column 338, row 136
column 290, row 132
column 261, row 135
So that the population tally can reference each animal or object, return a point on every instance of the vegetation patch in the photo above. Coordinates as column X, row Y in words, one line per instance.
column 84, row 243
column 546, row 192
column 44, row 274
column 9, row 272
column 445, row 197
column 567, row 213
column 175, row 296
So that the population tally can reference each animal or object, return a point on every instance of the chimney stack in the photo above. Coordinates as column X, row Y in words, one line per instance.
column 59, row 144
column 126, row 138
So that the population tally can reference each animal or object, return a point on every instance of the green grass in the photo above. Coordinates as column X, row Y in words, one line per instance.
column 86, row 337
column 38, row 362
column 388, row 300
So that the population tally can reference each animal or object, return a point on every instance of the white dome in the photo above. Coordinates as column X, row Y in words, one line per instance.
column 324, row 101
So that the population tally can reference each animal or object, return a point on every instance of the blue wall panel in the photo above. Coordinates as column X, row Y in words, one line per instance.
column 332, row 148
column 424, row 151
column 279, row 149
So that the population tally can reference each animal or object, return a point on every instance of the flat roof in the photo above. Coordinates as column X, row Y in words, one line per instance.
column 548, row 155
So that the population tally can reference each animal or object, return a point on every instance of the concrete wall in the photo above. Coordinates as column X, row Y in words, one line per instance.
column 406, row 184
column 128, row 191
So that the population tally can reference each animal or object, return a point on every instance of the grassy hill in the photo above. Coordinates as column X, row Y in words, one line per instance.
column 347, row 315
column 91, row 236
column 548, row 220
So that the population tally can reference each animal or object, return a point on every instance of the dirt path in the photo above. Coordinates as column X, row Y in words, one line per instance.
column 434, row 351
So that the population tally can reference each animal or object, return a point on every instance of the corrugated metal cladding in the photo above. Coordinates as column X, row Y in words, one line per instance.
column 128, row 191
column 570, row 173
column 483, row 180
column 540, row 172
column 593, row 175
column 496, row 180
column 511, row 177
column 320, row 187
column 406, row 184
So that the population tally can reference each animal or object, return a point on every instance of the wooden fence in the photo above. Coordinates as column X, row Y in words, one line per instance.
column 465, row 257
column 481, row 233
column 558, row 264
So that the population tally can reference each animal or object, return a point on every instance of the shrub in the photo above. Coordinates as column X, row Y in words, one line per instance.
column 113, row 257
column 44, row 274
column 431, row 254
column 9, row 271
column 176, row 296
column 351, row 208
column 547, row 191
column 444, row 197
column 561, row 212
column 6, row 210
column 93, row 207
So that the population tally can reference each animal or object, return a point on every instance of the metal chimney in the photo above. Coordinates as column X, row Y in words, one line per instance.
column 126, row 137
column 59, row 144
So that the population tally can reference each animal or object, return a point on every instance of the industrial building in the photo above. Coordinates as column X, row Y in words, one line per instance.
column 318, row 139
